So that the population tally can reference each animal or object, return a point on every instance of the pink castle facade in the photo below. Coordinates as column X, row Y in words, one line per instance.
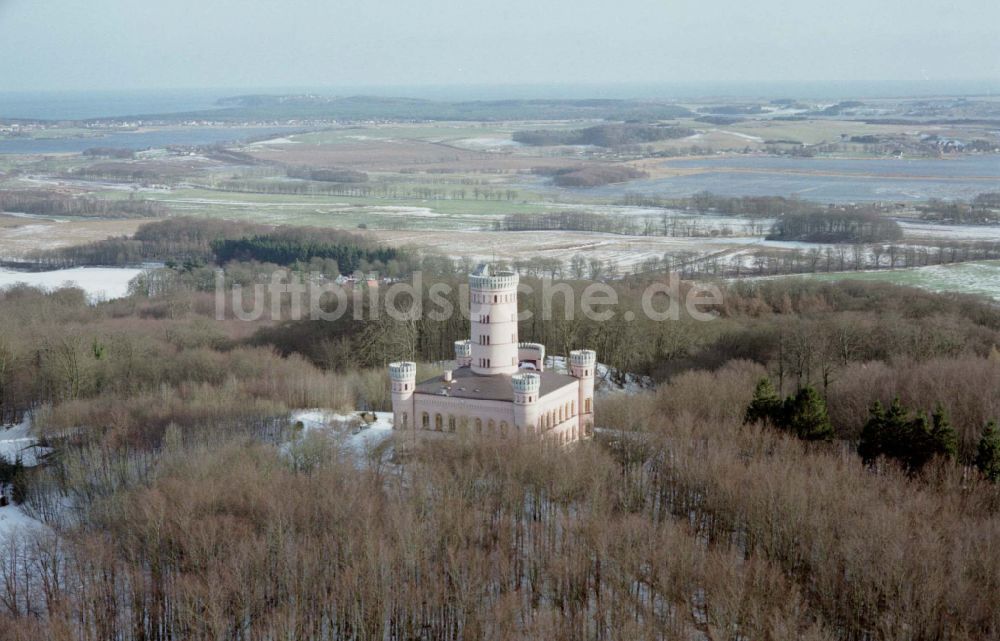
column 499, row 387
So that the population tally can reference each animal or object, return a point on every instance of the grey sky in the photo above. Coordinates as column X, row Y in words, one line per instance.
column 122, row 44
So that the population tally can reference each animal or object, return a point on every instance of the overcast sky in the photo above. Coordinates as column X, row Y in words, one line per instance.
column 134, row 44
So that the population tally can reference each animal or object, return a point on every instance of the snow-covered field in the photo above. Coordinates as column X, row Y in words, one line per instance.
column 931, row 231
column 100, row 283
column 980, row 278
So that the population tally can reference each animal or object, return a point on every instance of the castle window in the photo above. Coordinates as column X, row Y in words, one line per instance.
column 437, row 422
column 503, row 429
column 491, row 427
column 451, row 423
column 479, row 426
column 586, row 406
column 405, row 417
column 463, row 424
column 425, row 421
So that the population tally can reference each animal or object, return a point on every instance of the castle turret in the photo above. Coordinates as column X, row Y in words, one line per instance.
column 526, row 388
column 583, row 365
column 463, row 353
column 493, row 300
column 403, row 378
column 533, row 353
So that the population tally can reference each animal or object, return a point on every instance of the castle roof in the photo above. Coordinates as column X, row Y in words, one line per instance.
column 496, row 387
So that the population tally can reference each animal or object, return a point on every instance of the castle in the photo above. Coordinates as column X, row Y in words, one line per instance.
column 499, row 387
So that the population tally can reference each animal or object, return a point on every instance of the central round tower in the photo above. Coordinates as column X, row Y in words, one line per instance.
column 493, row 311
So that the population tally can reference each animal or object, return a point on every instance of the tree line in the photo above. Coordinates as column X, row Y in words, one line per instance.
column 191, row 242
column 285, row 251
column 610, row 135
column 836, row 226
column 53, row 203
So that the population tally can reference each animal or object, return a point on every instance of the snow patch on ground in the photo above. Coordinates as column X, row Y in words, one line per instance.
column 607, row 377
column 100, row 283
column 349, row 431
column 487, row 143
column 275, row 141
column 16, row 443
column 740, row 135
column 14, row 523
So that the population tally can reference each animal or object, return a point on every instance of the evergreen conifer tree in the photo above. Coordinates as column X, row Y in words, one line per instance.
column 873, row 435
column 806, row 416
column 945, row 440
column 988, row 453
column 765, row 406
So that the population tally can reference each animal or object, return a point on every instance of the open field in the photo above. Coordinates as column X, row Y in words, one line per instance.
column 399, row 155
column 444, row 185
column 978, row 278
column 624, row 251
column 20, row 236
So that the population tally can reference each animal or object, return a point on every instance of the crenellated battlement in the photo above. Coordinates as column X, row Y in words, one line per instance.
column 583, row 358
column 485, row 278
column 526, row 382
column 403, row 371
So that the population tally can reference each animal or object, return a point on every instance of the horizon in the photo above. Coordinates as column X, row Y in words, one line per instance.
column 82, row 104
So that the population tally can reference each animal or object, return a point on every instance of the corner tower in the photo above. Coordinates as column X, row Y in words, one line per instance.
column 583, row 365
column 526, row 388
column 403, row 377
column 493, row 312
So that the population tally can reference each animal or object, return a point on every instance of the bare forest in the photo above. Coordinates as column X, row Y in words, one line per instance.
column 178, row 503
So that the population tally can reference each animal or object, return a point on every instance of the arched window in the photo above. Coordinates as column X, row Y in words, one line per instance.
column 586, row 406
column 503, row 429
column 425, row 421
column 405, row 418
column 479, row 426
column 437, row 422
column 451, row 423
column 463, row 424
column 491, row 427
column 572, row 407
